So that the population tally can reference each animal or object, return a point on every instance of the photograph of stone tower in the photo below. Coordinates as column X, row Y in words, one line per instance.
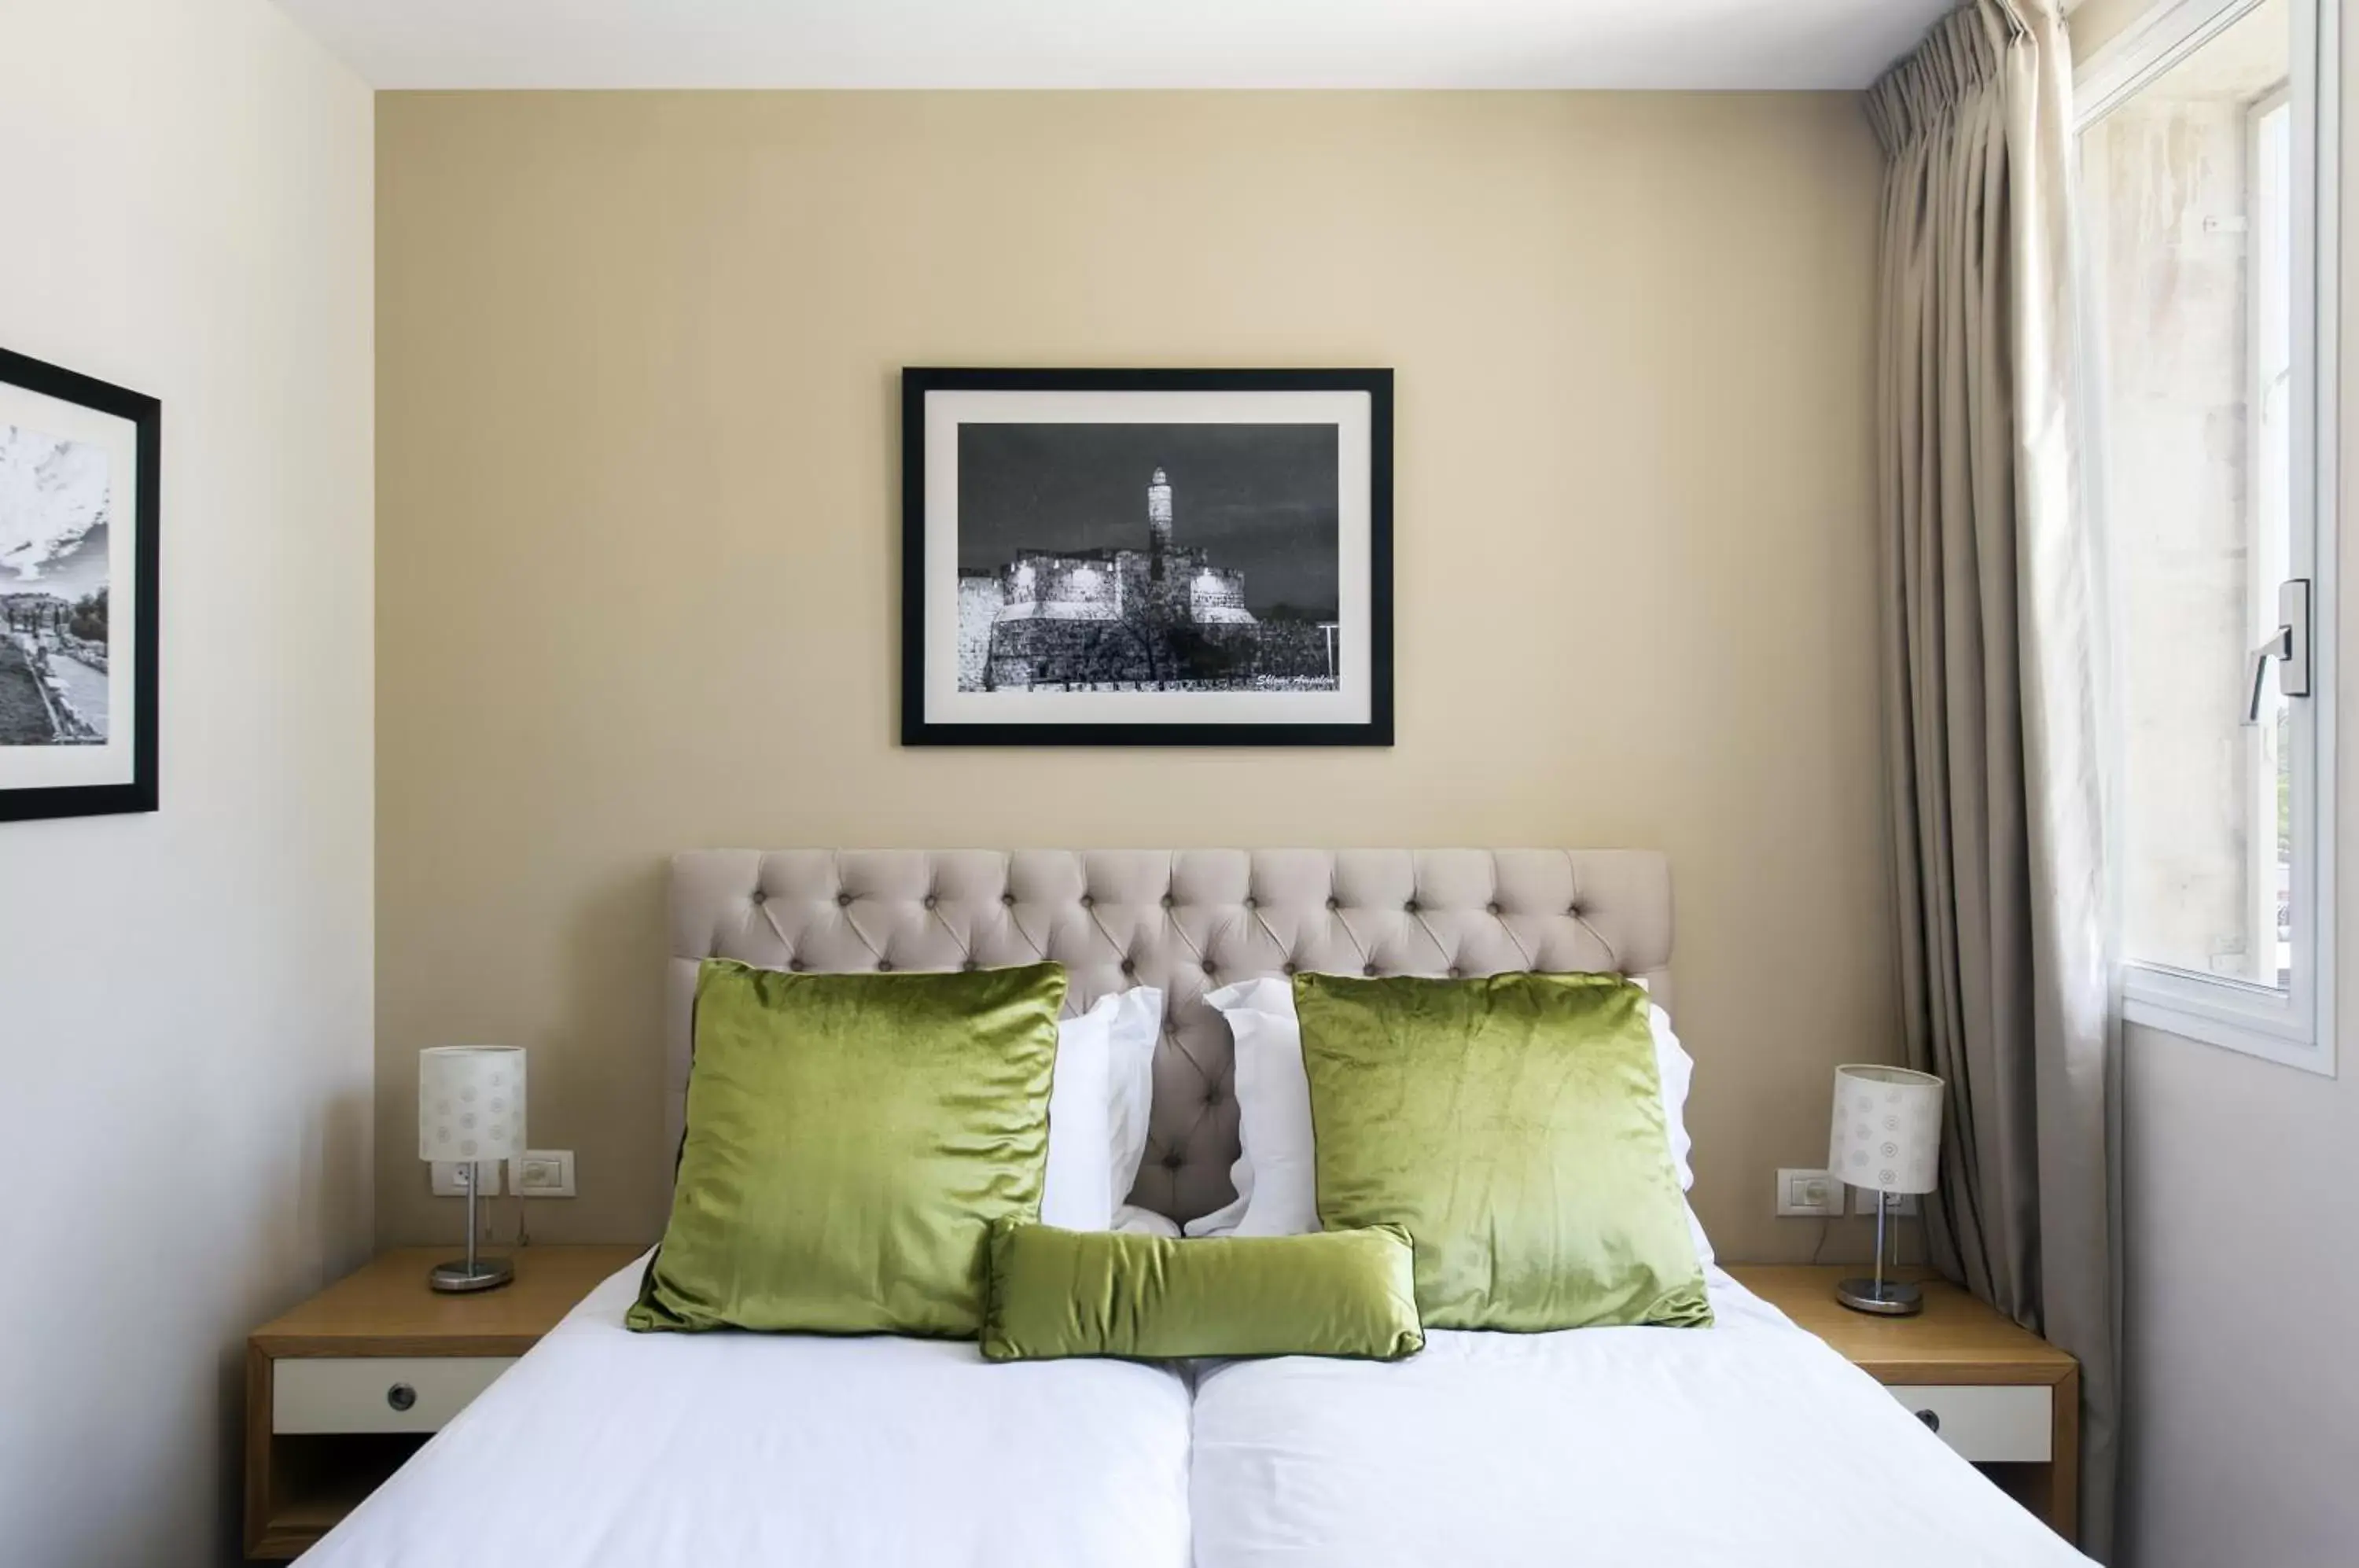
column 1147, row 557
column 1157, row 557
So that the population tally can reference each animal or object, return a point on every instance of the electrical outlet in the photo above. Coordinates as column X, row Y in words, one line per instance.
column 1902, row 1204
column 450, row 1178
column 544, row 1174
column 1812, row 1193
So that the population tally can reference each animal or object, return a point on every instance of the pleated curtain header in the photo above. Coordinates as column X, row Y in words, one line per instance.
column 1959, row 58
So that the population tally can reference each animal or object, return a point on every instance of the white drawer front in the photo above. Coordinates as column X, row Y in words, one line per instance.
column 1989, row 1423
column 376, row 1393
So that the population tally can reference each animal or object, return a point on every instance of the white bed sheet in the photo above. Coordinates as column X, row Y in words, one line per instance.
column 608, row 1449
column 1750, row 1445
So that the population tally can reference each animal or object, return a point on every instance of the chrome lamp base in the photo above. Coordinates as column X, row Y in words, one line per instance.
column 1885, row 1297
column 471, row 1273
column 480, row 1274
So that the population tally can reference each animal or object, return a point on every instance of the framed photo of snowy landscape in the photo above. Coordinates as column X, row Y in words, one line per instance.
column 79, row 480
column 1147, row 557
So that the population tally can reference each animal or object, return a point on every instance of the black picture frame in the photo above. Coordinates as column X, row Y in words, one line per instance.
column 918, row 728
column 146, row 416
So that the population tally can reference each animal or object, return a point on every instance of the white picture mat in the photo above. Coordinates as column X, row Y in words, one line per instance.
column 52, row 766
column 1348, row 412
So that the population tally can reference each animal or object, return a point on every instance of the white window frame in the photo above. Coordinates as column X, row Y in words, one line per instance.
column 2296, row 1026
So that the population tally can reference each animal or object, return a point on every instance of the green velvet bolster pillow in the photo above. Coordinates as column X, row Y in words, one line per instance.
column 850, row 1139
column 1067, row 1293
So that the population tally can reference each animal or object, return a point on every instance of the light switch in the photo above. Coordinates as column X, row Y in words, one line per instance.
column 1808, row 1192
column 544, row 1174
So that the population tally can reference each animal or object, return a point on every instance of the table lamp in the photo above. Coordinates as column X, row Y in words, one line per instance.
column 471, row 1111
column 1887, row 1135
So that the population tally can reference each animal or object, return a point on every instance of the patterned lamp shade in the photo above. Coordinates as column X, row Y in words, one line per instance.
column 1887, row 1128
column 470, row 1103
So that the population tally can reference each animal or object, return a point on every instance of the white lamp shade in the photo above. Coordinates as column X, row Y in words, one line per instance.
column 1887, row 1135
column 470, row 1103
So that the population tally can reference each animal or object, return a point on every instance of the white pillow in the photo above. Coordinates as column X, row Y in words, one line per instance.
column 1276, row 1174
column 1130, row 1074
column 1097, row 1109
column 1134, row 1221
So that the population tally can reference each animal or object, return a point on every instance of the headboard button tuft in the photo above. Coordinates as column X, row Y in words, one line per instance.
column 843, row 900
column 1368, row 969
column 1491, row 908
column 884, row 966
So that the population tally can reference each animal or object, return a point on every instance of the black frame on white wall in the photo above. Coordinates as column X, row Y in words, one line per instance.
column 131, row 785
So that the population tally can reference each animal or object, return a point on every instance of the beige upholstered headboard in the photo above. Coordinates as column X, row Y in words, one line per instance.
column 1188, row 921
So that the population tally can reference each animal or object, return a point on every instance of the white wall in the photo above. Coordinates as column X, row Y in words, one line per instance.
column 185, row 998
column 2241, row 1186
column 2241, row 1387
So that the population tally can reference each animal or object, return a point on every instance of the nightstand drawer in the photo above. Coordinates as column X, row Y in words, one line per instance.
column 376, row 1393
column 1990, row 1424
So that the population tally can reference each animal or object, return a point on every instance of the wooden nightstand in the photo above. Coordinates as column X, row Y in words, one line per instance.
column 342, row 1389
column 2000, row 1395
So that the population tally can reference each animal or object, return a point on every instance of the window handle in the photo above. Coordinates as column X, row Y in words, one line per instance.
column 2289, row 646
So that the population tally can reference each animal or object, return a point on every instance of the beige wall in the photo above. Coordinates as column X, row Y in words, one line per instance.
column 185, row 997
column 636, row 567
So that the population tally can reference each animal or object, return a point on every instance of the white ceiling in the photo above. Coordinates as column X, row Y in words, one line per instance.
column 1119, row 43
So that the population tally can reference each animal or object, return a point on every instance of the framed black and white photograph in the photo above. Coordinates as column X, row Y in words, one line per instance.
column 1147, row 557
column 79, row 480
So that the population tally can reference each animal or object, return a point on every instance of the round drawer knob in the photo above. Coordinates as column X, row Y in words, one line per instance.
column 1933, row 1420
column 401, row 1396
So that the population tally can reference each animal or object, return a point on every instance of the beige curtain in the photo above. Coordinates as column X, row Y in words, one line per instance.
column 1991, row 647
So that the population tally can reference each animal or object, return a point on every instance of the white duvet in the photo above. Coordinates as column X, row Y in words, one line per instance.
column 608, row 1449
column 1749, row 1444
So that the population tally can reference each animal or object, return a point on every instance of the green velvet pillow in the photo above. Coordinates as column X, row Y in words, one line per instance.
column 850, row 1138
column 1071, row 1292
column 1513, row 1125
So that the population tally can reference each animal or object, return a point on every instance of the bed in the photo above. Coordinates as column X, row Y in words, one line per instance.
column 1748, row 1443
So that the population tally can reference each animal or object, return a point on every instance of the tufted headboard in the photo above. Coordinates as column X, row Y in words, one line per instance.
column 1188, row 921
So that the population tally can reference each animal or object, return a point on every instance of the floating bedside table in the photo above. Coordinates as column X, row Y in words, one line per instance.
column 342, row 1390
column 1999, row 1394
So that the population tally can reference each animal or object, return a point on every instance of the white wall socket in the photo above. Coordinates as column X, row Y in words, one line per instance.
column 544, row 1174
column 1812, row 1193
column 1903, row 1204
column 450, row 1178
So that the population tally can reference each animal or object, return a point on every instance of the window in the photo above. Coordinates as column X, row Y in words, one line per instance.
column 2206, row 138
